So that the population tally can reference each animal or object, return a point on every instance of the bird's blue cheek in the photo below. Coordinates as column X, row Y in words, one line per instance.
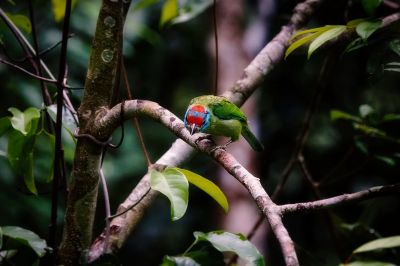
column 206, row 123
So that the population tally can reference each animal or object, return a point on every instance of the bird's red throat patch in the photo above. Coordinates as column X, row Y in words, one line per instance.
column 196, row 114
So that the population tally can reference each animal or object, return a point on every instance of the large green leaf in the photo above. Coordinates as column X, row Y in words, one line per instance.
column 367, row 28
column 25, row 122
column 191, row 10
column 228, row 242
column 381, row 243
column 207, row 186
column 169, row 11
column 58, row 7
column 21, row 22
column 325, row 37
column 174, row 185
column 20, row 156
column 27, row 238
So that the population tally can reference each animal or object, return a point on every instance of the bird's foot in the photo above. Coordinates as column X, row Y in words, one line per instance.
column 202, row 137
column 222, row 147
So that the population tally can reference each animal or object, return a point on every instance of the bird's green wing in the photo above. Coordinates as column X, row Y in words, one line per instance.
column 226, row 110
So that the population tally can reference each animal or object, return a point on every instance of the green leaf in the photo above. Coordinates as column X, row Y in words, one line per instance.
column 337, row 114
column 392, row 66
column 58, row 7
column 394, row 45
column 169, row 11
column 68, row 121
column 367, row 28
column 362, row 146
column 371, row 131
column 368, row 263
column 381, row 243
column 191, row 10
column 365, row 110
column 25, row 122
column 207, row 186
column 388, row 160
column 355, row 44
column 298, row 43
column 228, row 242
column 7, row 254
column 21, row 22
column 20, row 156
column 370, row 5
column 310, row 31
column 179, row 261
column 5, row 125
column 175, row 187
column 325, row 37
column 27, row 238
column 391, row 117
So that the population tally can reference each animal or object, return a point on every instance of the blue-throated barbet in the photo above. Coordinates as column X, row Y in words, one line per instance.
column 216, row 115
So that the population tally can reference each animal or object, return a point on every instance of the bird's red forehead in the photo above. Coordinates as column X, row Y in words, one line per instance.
column 196, row 114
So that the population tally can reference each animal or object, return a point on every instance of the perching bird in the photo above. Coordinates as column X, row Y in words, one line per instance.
column 216, row 115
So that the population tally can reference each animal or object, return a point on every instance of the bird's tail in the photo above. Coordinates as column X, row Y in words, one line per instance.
column 251, row 139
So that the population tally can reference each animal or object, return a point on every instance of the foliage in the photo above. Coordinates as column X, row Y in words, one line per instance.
column 321, row 35
column 173, row 183
column 13, row 238
column 221, row 241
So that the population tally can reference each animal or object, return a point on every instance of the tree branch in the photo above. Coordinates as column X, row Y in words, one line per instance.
column 342, row 199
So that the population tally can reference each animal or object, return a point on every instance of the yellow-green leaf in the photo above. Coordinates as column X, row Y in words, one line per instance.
column 21, row 22
column 207, row 186
column 301, row 42
column 381, row 243
column 59, row 8
column 309, row 31
column 169, row 11
column 25, row 122
column 325, row 37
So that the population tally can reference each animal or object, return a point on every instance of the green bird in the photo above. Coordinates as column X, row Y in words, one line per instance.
column 216, row 115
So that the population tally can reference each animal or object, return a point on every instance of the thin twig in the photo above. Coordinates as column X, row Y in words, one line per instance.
column 27, row 72
column 61, row 81
column 135, row 120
